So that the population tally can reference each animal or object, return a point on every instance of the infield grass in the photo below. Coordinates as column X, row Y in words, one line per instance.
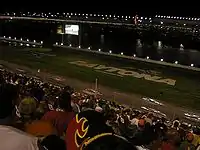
column 185, row 93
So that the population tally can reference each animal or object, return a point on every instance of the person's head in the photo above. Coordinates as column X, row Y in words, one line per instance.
column 64, row 101
column 141, row 123
column 85, row 126
column 108, row 142
column 8, row 93
column 53, row 142
column 163, row 120
column 176, row 124
column 27, row 108
column 150, row 115
column 189, row 137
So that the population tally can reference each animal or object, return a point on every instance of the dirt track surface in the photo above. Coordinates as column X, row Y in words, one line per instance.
column 108, row 93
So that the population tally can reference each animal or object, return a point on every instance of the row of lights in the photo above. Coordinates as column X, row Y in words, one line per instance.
column 89, row 48
column 178, row 18
column 110, row 52
column 27, row 40
column 76, row 14
column 101, row 15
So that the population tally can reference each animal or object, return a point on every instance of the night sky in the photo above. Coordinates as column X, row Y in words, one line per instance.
column 109, row 7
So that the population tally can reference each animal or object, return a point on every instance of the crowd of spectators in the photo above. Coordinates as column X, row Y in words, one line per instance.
column 35, row 115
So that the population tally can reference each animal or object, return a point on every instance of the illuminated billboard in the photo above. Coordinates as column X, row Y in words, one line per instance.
column 71, row 29
column 60, row 29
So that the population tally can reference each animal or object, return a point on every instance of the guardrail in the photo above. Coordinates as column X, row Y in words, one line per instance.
column 192, row 67
column 67, row 20
column 9, row 39
column 144, row 22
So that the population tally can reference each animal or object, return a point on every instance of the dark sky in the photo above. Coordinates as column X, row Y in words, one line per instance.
column 118, row 7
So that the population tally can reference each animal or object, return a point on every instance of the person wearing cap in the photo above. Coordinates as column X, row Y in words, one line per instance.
column 27, row 108
column 187, row 144
column 25, row 112
column 61, row 117
column 109, row 142
column 12, row 138
column 84, row 128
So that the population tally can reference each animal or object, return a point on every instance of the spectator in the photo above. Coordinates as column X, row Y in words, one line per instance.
column 12, row 138
column 187, row 144
column 89, row 125
column 8, row 94
column 53, row 142
column 60, row 118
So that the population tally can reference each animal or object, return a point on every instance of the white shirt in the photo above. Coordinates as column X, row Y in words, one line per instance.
column 134, row 121
column 198, row 148
column 14, row 139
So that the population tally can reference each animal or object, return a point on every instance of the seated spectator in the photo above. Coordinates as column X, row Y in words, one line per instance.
column 196, row 140
column 8, row 93
column 40, row 128
column 109, row 142
column 176, row 124
column 12, row 138
column 171, row 141
column 60, row 118
column 187, row 144
column 25, row 112
column 161, row 128
column 86, row 126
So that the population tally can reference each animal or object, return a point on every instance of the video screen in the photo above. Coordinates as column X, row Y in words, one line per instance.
column 72, row 29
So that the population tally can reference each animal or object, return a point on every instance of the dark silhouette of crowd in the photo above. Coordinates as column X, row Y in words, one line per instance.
column 35, row 115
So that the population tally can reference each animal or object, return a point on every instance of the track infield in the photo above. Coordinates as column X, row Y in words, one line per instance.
column 172, row 85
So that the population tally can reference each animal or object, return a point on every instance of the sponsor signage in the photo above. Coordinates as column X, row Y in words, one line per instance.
column 71, row 29
column 123, row 72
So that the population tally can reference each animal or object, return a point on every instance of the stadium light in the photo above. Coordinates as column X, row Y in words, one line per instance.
column 61, row 44
column 122, row 53
column 176, row 62
column 192, row 65
column 110, row 51
column 161, row 59
column 147, row 57
column 99, row 49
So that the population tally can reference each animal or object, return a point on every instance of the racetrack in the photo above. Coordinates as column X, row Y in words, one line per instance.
column 129, row 99
column 172, row 85
column 135, row 100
